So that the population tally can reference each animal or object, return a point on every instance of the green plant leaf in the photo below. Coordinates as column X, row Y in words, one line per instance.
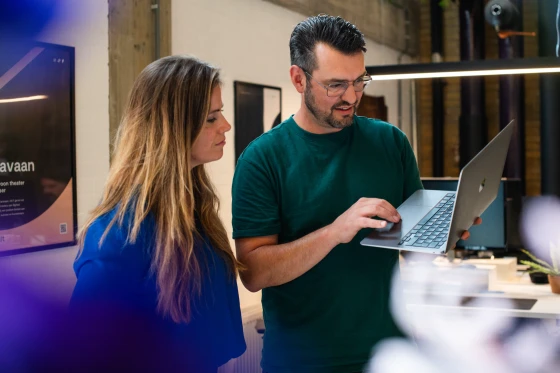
column 537, row 260
column 538, row 268
column 553, row 250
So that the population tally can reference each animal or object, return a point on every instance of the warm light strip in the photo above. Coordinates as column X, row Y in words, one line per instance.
column 454, row 74
column 21, row 99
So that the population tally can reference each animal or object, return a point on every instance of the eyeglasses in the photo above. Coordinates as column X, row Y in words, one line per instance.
column 338, row 88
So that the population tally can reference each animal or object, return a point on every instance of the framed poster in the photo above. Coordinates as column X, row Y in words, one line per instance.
column 37, row 147
column 258, row 108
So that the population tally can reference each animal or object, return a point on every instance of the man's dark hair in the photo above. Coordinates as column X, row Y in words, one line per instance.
column 333, row 31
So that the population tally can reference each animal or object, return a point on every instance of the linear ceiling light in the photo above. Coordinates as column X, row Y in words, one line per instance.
column 543, row 65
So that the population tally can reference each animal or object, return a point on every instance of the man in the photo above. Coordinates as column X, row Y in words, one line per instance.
column 302, row 194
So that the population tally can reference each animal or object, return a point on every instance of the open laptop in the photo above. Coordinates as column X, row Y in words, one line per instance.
column 433, row 220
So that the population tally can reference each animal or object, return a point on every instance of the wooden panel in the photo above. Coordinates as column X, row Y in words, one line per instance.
column 424, row 99
column 132, row 47
column 165, row 28
column 380, row 20
column 452, row 93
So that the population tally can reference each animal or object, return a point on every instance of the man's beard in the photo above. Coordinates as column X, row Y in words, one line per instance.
column 327, row 119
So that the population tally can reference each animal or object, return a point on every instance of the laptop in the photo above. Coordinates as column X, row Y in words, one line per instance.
column 433, row 220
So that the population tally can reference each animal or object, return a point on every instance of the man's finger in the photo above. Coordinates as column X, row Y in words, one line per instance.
column 389, row 208
column 372, row 223
column 477, row 221
column 373, row 202
column 465, row 235
column 379, row 210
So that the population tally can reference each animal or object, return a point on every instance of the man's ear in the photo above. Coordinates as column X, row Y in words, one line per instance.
column 298, row 78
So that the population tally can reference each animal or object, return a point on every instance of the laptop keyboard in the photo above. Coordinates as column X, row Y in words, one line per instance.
column 432, row 230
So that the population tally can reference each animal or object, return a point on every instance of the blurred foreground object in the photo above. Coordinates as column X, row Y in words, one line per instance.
column 25, row 18
column 459, row 323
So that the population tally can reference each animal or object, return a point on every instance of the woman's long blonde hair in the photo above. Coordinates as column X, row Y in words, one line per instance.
column 151, row 173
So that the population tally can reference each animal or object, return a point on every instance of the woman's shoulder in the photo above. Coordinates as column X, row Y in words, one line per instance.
column 108, row 238
column 105, row 233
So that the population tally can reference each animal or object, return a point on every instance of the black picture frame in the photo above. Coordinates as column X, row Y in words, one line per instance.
column 258, row 108
column 67, row 54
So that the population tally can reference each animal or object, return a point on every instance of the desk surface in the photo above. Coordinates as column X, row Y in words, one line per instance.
column 521, row 287
column 548, row 303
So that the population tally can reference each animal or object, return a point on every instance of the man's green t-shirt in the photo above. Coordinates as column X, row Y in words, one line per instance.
column 291, row 182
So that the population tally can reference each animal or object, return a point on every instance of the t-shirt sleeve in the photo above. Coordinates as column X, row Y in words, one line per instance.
column 110, row 274
column 255, row 209
column 412, row 181
column 97, row 279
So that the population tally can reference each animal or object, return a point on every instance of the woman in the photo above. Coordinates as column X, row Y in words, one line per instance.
column 155, row 259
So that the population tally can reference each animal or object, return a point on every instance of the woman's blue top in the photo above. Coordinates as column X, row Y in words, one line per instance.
column 117, row 291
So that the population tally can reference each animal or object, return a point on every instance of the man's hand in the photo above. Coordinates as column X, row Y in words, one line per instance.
column 359, row 216
column 466, row 234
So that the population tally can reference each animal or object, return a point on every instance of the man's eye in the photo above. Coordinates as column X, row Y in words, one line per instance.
column 335, row 85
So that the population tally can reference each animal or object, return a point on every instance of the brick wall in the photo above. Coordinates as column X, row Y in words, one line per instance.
column 532, row 105
column 452, row 96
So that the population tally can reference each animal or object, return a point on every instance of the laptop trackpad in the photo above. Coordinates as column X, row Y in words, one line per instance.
column 393, row 232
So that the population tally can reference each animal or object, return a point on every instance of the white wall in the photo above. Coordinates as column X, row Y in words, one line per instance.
column 81, row 24
column 248, row 40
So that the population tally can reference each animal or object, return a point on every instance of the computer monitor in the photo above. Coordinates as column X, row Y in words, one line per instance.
column 499, row 229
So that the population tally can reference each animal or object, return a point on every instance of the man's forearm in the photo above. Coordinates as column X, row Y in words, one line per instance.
column 272, row 265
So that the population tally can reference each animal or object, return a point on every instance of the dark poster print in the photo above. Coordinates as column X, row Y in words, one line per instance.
column 258, row 108
column 37, row 148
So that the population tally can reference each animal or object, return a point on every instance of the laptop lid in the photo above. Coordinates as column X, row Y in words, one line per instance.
column 479, row 182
